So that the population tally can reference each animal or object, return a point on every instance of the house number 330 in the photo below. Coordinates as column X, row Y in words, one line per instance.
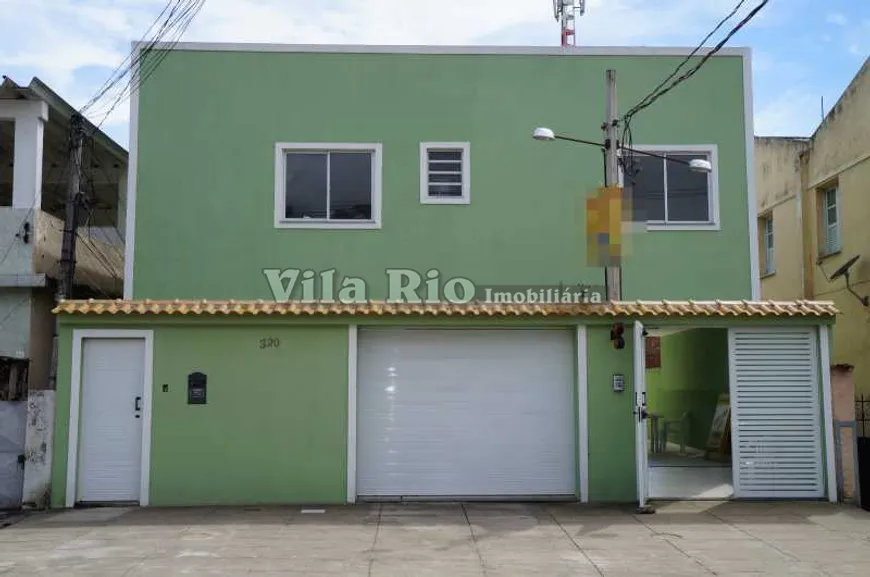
column 270, row 343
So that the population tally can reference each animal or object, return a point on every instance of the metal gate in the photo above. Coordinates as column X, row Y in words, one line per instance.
column 776, row 417
column 13, row 419
column 862, row 426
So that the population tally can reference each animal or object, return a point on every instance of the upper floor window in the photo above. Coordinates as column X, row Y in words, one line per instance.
column 830, row 221
column 766, row 232
column 669, row 194
column 335, row 185
column 445, row 173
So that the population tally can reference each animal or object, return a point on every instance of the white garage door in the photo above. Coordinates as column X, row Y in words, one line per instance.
column 465, row 413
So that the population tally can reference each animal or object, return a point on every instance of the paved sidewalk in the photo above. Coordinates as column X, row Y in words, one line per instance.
column 452, row 540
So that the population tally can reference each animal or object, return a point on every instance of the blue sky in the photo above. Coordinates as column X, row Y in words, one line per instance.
column 804, row 50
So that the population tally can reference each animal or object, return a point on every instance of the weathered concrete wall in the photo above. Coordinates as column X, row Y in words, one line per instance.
column 777, row 169
column 843, row 137
column 840, row 155
column 843, row 407
column 19, row 260
column 15, row 329
column 778, row 185
column 41, row 338
column 12, row 416
column 38, row 449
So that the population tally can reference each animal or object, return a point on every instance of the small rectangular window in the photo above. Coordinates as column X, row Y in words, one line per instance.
column 668, row 193
column 766, row 231
column 327, row 186
column 445, row 172
column 830, row 221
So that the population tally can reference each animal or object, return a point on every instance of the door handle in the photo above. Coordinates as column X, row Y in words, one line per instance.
column 136, row 406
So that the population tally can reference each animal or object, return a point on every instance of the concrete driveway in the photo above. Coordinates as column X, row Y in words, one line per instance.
column 452, row 540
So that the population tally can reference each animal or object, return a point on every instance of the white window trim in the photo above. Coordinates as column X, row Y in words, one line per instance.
column 837, row 226
column 376, row 148
column 712, row 150
column 425, row 147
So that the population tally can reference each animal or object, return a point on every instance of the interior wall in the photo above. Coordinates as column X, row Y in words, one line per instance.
column 693, row 374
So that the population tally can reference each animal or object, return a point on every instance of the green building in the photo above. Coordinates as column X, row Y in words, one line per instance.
column 352, row 274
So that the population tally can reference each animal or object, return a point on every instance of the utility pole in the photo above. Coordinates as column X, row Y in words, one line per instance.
column 612, row 274
column 73, row 203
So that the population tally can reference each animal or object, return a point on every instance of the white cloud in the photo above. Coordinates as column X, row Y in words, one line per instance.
column 792, row 113
column 837, row 18
column 74, row 44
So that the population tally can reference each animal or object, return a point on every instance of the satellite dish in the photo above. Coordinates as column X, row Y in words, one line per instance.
column 844, row 270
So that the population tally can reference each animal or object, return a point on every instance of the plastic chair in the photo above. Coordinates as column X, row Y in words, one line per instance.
column 680, row 428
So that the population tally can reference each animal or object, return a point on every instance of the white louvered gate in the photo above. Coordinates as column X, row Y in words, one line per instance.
column 776, row 416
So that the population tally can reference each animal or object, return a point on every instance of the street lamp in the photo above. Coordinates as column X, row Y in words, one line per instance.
column 696, row 164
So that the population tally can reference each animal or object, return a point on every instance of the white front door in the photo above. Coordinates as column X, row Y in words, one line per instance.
column 110, row 437
column 640, row 413
column 465, row 413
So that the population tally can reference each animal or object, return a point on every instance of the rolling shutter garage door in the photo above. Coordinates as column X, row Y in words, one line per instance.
column 465, row 413
column 776, row 413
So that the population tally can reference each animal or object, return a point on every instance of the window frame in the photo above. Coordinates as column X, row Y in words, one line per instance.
column 281, row 150
column 712, row 152
column 767, row 243
column 824, row 226
column 465, row 147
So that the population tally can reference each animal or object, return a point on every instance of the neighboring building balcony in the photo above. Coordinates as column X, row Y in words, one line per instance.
column 32, row 258
column 34, row 185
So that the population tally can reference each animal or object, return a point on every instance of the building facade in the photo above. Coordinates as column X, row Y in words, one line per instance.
column 812, row 201
column 316, row 236
column 34, row 156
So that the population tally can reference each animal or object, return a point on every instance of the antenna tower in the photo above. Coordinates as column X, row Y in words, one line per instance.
column 566, row 12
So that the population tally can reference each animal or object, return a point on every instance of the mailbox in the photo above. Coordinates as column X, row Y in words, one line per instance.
column 196, row 383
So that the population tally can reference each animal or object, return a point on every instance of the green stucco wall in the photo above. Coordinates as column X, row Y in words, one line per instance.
column 275, row 426
column 274, row 429
column 693, row 374
column 611, row 420
column 209, row 121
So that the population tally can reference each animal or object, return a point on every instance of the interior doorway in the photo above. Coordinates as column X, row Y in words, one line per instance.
column 688, row 413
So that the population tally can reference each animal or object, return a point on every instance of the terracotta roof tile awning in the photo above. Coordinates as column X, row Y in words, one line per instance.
column 742, row 309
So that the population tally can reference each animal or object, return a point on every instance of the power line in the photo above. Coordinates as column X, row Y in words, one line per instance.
column 174, row 25
column 13, row 309
column 121, row 70
column 649, row 100
column 26, row 218
column 688, row 58
column 670, row 83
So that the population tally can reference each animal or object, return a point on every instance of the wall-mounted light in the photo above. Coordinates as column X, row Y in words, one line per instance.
column 617, row 336
column 24, row 233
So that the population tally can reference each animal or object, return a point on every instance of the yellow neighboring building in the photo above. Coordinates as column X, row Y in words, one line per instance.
column 814, row 216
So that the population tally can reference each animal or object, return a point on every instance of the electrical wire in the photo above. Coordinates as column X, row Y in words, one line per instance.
column 669, row 83
column 130, row 74
column 37, row 200
column 13, row 309
column 649, row 100
column 121, row 70
column 141, row 66
column 691, row 55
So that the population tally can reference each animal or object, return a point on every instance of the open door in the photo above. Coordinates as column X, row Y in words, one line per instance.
column 640, row 414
